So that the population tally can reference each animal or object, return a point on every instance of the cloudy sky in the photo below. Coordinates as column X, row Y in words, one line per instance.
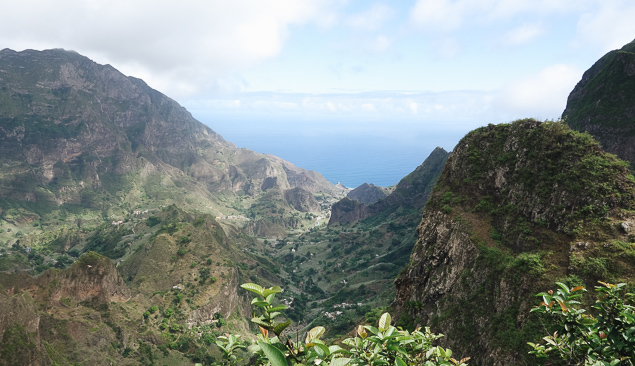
column 435, row 64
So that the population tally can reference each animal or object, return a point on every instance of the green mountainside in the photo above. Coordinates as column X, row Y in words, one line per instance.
column 517, row 207
column 603, row 102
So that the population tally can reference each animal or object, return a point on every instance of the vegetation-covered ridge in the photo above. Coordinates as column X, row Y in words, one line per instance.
column 538, row 172
column 517, row 206
column 603, row 102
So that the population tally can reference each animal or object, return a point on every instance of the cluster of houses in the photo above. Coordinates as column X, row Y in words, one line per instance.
column 334, row 314
column 136, row 213
column 287, row 302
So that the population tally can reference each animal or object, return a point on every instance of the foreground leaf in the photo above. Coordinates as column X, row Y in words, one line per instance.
column 274, row 355
column 253, row 288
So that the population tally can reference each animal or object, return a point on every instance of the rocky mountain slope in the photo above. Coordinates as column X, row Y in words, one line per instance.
column 77, row 135
column 517, row 207
column 603, row 103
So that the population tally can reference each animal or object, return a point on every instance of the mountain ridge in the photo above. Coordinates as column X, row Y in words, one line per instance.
column 602, row 102
column 73, row 132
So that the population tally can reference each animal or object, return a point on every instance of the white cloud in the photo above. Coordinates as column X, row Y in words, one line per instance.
column 450, row 15
column 436, row 108
column 380, row 44
column 371, row 19
column 444, row 15
column 523, row 34
column 543, row 95
column 448, row 47
column 179, row 48
column 609, row 25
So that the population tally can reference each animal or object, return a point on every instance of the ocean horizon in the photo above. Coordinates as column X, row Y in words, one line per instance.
column 350, row 155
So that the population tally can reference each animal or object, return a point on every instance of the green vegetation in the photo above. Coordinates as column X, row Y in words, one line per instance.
column 381, row 345
column 605, row 335
column 565, row 178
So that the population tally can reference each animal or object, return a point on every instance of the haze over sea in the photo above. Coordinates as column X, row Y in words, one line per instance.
column 347, row 152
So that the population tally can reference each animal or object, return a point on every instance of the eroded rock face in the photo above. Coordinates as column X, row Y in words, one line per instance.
column 348, row 210
column 92, row 280
column 499, row 227
column 227, row 301
column 301, row 200
column 20, row 342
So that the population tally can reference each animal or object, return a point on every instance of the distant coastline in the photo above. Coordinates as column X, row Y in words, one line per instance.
column 348, row 157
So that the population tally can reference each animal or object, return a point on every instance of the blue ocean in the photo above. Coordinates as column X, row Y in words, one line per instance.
column 343, row 152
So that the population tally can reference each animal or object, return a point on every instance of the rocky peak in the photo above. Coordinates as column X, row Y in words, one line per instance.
column 367, row 194
column 500, row 225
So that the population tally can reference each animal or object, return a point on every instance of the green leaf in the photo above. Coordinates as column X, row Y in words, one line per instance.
column 256, row 301
column 384, row 321
column 564, row 287
column 399, row 362
column 314, row 333
column 373, row 330
column 337, row 349
column 260, row 322
column 271, row 290
column 277, row 308
column 321, row 350
column 274, row 355
column 253, row 288
column 280, row 327
column 340, row 361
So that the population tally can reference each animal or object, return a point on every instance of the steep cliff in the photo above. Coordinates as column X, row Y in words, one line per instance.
column 517, row 207
column 603, row 103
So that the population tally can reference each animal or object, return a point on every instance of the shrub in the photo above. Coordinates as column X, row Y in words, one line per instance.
column 580, row 338
column 152, row 221
column 381, row 345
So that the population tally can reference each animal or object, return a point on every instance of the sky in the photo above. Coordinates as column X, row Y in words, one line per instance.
column 380, row 68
